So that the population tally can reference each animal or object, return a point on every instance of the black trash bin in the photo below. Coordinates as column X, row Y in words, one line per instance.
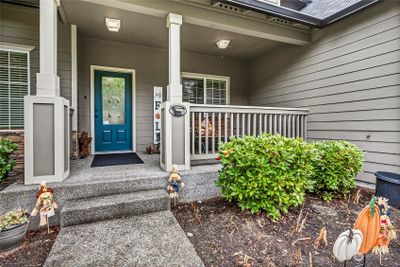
column 388, row 185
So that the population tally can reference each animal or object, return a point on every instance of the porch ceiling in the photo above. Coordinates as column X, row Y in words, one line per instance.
column 151, row 31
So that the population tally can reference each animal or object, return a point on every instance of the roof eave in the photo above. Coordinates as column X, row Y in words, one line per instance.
column 286, row 13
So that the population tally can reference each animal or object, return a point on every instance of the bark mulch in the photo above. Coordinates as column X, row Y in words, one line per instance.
column 223, row 235
column 33, row 250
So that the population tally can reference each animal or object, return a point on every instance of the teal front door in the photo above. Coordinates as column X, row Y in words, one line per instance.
column 113, row 111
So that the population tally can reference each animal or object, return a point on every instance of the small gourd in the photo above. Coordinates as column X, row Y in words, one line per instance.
column 368, row 222
column 347, row 245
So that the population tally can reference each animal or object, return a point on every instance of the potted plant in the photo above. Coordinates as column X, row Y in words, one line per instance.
column 13, row 228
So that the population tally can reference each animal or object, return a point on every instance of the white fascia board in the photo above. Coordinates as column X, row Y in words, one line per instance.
column 205, row 16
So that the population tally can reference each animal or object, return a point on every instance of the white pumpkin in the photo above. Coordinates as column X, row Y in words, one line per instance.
column 347, row 245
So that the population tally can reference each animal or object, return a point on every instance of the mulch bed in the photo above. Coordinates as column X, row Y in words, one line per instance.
column 33, row 251
column 223, row 235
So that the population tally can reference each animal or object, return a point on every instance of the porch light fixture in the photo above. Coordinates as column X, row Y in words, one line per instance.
column 223, row 44
column 113, row 25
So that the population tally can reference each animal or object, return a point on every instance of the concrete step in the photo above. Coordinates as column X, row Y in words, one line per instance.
column 101, row 208
column 155, row 239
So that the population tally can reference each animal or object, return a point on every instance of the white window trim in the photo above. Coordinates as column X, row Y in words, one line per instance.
column 20, row 49
column 227, row 79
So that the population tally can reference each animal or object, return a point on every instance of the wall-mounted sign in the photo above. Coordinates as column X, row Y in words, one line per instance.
column 157, row 114
column 177, row 110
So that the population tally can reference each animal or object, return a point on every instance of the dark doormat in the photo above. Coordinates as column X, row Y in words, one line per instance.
column 102, row 160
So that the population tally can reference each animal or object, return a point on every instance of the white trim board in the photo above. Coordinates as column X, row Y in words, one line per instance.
column 93, row 68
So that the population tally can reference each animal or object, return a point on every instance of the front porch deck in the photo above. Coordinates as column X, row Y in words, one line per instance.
column 87, row 182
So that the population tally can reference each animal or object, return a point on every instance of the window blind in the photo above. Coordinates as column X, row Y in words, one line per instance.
column 14, row 85
column 204, row 90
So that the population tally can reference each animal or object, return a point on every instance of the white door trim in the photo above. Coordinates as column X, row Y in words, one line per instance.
column 93, row 68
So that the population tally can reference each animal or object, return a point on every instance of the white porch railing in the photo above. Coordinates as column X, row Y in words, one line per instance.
column 218, row 123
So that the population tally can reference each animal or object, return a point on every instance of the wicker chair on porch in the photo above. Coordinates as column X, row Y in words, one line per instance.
column 212, row 132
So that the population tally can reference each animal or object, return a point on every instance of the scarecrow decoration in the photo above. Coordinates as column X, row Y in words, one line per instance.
column 373, row 230
column 175, row 183
column 45, row 204
column 386, row 231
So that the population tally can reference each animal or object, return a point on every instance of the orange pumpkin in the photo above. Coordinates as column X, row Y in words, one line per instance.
column 369, row 224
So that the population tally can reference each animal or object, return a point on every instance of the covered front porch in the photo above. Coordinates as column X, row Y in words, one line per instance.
column 152, row 51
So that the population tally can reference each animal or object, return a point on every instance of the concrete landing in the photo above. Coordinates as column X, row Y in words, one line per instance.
column 154, row 239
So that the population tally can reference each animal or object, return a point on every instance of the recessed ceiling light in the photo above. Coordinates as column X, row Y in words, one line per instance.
column 223, row 44
column 113, row 25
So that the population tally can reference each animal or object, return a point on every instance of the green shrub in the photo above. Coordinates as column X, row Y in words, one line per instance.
column 6, row 164
column 268, row 172
column 336, row 168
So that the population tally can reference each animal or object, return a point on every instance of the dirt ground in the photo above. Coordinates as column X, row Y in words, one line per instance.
column 223, row 235
column 33, row 251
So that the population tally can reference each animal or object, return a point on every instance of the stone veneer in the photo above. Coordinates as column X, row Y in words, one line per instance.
column 16, row 136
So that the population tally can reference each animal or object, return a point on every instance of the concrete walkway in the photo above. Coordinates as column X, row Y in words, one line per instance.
column 154, row 239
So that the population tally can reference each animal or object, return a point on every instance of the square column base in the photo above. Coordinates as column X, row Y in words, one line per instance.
column 175, row 142
column 47, row 139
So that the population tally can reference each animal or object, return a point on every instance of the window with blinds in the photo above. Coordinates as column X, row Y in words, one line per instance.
column 14, row 85
column 205, row 89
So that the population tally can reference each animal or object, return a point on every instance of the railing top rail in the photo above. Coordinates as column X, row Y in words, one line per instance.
column 245, row 109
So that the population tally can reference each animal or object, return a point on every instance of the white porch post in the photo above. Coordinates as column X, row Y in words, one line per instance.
column 174, row 114
column 48, row 83
column 46, row 113
column 74, row 92
column 174, row 89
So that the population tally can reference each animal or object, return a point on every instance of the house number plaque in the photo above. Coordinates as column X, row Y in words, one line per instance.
column 177, row 110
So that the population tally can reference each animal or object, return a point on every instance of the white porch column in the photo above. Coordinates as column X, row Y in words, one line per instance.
column 48, row 83
column 74, row 92
column 174, row 89
column 47, row 117
column 174, row 114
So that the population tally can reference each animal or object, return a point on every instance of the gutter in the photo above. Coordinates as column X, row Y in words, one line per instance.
column 294, row 15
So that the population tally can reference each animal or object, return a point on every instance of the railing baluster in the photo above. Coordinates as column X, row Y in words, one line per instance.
column 270, row 123
column 226, row 127
column 301, row 126
column 243, row 124
column 231, row 124
column 254, row 124
column 199, row 132
column 293, row 125
column 192, row 132
column 237, row 124
column 206, row 115
column 213, row 132
column 280, row 124
column 248, row 123
column 297, row 125
column 219, row 129
column 305, row 127
column 284, row 128
column 265, row 123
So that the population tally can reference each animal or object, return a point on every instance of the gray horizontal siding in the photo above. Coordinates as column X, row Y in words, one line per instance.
column 151, row 66
column 349, row 78
column 20, row 25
